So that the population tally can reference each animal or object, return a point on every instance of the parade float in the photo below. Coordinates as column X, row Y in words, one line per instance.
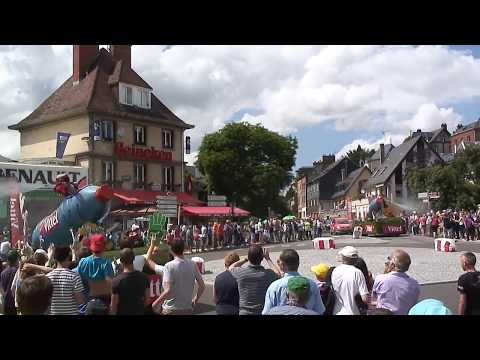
column 88, row 205
column 381, row 220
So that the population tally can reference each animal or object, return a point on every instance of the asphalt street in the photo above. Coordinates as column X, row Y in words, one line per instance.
column 444, row 291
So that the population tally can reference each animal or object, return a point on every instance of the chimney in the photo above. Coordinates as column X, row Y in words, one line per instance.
column 328, row 159
column 419, row 131
column 382, row 153
column 122, row 52
column 83, row 57
column 444, row 126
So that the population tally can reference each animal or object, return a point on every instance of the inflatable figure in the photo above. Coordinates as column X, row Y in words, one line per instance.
column 89, row 205
column 375, row 209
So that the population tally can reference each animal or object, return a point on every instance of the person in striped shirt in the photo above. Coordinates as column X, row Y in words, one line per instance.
column 67, row 285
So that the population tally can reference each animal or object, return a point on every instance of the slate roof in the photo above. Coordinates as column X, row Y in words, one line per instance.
column 325, row 170
column 387, row 149
column 349, row 181
column 98, row 92
column 396, row 156
column 436, row 133
column 470, row 126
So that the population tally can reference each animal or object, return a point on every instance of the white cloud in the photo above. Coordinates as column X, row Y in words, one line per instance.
column 388, row 138
column 378, row 88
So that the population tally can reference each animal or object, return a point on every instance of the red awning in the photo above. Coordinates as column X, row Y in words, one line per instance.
column 213, row 211
column 133, row 197
column 134, row 212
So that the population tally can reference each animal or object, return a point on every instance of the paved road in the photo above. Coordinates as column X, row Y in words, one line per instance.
column 444, row 291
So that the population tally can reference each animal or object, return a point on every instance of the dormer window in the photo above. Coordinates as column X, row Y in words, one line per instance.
column 135, row 96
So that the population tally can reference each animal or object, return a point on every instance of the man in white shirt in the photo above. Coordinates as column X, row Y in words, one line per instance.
column 348, row 281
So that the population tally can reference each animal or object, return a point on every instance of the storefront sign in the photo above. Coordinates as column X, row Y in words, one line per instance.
column 151, row 153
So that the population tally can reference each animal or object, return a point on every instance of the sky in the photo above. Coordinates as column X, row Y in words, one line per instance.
column 332, row 98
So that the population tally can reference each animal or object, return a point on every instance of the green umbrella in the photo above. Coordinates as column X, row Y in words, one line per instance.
column 289, row 217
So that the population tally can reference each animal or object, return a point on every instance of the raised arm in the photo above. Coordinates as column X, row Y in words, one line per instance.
column 271, row 264
column 239, row 263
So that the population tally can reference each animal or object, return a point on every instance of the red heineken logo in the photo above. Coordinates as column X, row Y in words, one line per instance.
column 141, row 153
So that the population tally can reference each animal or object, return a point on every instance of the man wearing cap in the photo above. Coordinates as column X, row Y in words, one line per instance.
column 96, row 270
column 276, row 295
column 298, row 293
column 395, row 290
column 348, row 281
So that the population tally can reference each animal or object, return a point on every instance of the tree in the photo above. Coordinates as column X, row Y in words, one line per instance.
column 249, row 164
column 458, row 182
column 359, row 155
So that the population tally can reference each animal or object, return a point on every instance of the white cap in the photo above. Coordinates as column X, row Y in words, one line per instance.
column 41, row 251
column 349, row 252
column 5, row 248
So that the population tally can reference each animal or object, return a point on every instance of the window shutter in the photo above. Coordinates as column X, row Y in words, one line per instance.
column 173, row 177
column 173, row 138
column 104, row 170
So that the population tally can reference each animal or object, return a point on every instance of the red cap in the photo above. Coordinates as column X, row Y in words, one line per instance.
column 97, row 243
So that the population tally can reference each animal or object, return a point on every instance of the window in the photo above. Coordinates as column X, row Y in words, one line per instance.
column 145, row 99
column 107, row 130
column 168, row 178
column 127, row 95
column 140, row 175
column 108, row 171
column 167, row 139
column 133, row 95
column 468, row 138
column 139, row 134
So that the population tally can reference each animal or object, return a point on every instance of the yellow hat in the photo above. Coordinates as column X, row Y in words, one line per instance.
column 320, row 270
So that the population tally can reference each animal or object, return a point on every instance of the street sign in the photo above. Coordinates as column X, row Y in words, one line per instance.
column 423, row 195
column 167, row 205
column 217, row 200
column 434, row 195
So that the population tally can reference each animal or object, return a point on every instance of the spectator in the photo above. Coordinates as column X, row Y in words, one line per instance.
column 97, row 271
column 276, row 295
column 430, row 307
column 320, row 271
column 225, row 289
column 395, row 290
column 35, row 295
column 67, row 285
column 298, row 290
column 138, row 262
column 469, row 286
column 6, row 281
column 348, row 281
column 178, row 284
column 362, row 266
column 254, row 280
column 130, row 289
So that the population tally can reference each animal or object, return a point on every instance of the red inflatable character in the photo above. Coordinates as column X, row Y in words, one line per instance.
column 64, row 186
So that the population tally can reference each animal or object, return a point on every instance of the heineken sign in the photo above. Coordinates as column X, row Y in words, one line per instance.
column 122, row 150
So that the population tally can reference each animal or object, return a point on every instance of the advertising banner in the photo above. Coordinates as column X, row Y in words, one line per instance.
column 62, row 140
column 16, row 220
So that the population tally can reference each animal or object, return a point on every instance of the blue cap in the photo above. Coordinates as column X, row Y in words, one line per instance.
column 430, row 307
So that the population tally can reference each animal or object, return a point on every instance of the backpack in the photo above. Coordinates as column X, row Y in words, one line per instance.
column 328, row 295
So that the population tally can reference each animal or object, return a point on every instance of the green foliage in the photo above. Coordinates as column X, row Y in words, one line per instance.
column 458, row 182
column 249, row 164
column 360, row 154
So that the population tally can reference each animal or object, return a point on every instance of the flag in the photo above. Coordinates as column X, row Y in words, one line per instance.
column 62, row 140
column 187, row 145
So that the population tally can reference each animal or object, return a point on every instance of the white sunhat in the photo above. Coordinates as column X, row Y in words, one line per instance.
column 41, row 251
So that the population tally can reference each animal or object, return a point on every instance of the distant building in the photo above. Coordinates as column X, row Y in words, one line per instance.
column 439, row 140
column 379, row 157
column 390, row 178
column 322, row 181
column 351, row 187
column 301, row 190
column 465, row 133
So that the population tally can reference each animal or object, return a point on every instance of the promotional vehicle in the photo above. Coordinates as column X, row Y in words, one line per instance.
column 341, row 226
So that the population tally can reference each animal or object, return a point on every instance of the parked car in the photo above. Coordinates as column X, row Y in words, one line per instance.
column 341, row 226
